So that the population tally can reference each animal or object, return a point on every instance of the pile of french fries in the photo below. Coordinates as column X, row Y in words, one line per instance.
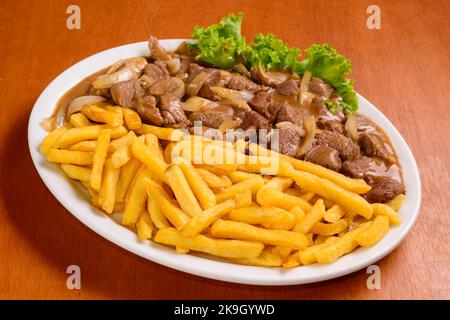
column 299, row 214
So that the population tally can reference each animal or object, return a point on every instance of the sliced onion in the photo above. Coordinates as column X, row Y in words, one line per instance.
column 290, row 125
column 77, row 103
column 236, row 98
column 304, row 85
column 194, row 86
column 49, row 124
column 180, row 89
column 229, row 124
column 240, row 68
column 232, row 94
column 196, row 103
column 173, row 65
column 128, row 70
column 310, row 128
column 351, row 129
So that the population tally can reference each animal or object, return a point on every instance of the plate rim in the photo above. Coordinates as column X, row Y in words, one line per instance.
column 207, row 267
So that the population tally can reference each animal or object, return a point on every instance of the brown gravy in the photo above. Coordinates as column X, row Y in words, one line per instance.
column 365, row 124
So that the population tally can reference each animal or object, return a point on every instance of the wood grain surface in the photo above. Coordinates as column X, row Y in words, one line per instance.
column 404, row 69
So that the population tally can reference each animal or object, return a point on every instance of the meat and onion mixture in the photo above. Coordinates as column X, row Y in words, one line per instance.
column 314, row 121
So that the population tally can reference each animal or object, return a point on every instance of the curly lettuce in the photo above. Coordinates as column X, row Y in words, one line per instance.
column 324, row 62
column 269, row 53
column 222, row 45
column 218, row 43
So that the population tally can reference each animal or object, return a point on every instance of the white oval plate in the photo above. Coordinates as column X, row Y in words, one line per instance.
column 73, row 197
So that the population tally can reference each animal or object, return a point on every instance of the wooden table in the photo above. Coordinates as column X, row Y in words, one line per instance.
column 403, row 69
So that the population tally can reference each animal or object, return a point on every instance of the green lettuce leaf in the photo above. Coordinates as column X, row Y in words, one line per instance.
column 269, row 53
column 324, row 62
column 218, row 43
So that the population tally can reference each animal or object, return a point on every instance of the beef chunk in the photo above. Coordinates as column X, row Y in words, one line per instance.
column 263, row 103
column 372, row 145
column 348, row 150
column 149, row 112
column 288, row 88
column 290, row 114
column 211, row 119
column 320, row 88
column 289, row 140
column 318, row 106
column 157, row 52
column 253, row 119
column 123, row 92
column 172, row 112
column 163, row 86
column 357, row 169
column 214, row 79
column 383, row 189
column 325, row 119
column 240, row 82
column 156, row 71
column 325, row 156
column 268, row 78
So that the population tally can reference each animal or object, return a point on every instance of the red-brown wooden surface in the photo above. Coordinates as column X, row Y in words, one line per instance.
column 404, row 69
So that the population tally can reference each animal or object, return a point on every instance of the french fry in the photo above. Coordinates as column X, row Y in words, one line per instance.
column 71, row 157
column 386, row 210
column 397, row 202
column 298, row 212
column 334, row 214
column 291, row 261
column 183, row 193
column 260, row 164
column 98, row 114
column 152, row 142
column 75, row 135
column 239, row 176
column 152, row 160
column 136, row 200
column 244, row 231
column 270, row 217
column 267, row 258
column 217, row 247
column 330, row 190
column 243, row 200
column 166, row 206
column 200, row 222
column 132, row 118
column 79, row 120
column 168, row 134
column 275, row 198
column 50, row 140
column 253, row 184
column 343, row 245
column 375, row 232
column 199, row 187
column 329, row 229
column 122, row 141
column 121, row 156
column 278, row 183
column 100, row 153
column 212, row 180
column 76, row 172
column 158, row 219
column 312, row 217
column 144, row 226
column 308, row 256
column 127, row 174
column 107, row 193
column 168, row 151
column 87, row 146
